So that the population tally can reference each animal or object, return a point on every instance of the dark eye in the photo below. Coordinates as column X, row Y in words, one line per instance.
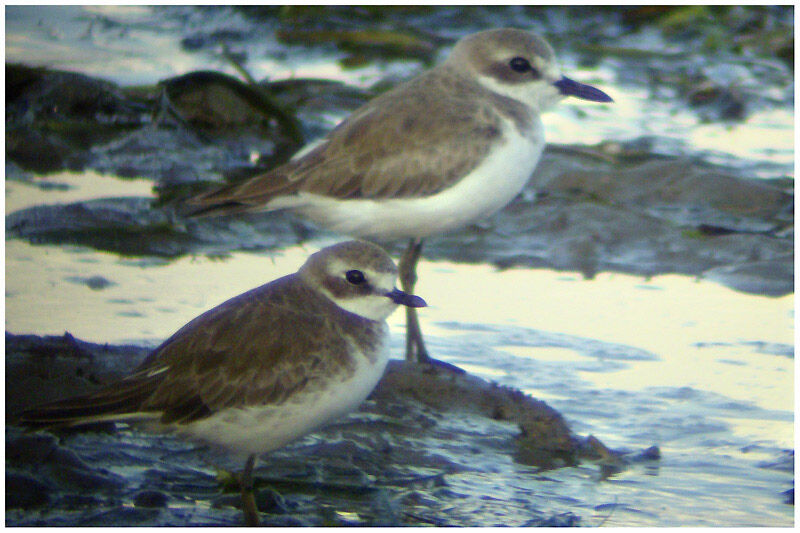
column 520, row 64
column 356, row 277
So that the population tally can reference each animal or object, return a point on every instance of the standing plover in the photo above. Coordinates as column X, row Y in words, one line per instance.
column 263, row 368
column 449, row 147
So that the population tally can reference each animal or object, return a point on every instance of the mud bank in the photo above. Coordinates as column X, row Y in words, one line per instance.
column 610, row 207
column 388, row 464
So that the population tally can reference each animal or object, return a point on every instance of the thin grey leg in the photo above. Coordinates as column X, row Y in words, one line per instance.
column 248, row 498
column 415, row 345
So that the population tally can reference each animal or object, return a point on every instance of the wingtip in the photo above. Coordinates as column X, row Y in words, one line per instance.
column 215, row 202
column 209, row 210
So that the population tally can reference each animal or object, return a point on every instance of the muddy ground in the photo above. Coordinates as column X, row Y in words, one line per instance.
column 587, row 209
column 388, row 464
column 613, row 206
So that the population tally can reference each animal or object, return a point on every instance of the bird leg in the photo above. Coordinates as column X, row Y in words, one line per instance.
column 415, row 346
column 248, row 498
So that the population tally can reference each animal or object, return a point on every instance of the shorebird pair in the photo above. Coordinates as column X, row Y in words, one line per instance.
column 451, row 146
column 447, row 148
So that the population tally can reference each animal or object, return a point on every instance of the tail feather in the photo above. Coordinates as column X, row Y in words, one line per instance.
column 218, row 209
column 119, row 401
column 252, row 194
column 86, row 421
column 216, row 201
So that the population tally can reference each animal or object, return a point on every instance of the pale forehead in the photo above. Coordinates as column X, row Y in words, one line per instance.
column 337, row 267
column 358, row 255
column 507, row 41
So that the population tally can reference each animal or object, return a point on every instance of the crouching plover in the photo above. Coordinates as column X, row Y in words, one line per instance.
column 449, row 147
column 263, row 368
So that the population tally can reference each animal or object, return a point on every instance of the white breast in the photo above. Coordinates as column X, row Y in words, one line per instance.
column 488, row 188
column 260, row 429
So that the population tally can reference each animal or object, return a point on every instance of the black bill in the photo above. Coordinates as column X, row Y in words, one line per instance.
column 403, row 298
column 569, row 87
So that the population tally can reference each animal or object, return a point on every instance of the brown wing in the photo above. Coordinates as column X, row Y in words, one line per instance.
column 409, row 142
column 253, row 349
column 249, row 351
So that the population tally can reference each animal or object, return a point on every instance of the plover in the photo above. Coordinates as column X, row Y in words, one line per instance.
column 264, row 368
column 449, row 147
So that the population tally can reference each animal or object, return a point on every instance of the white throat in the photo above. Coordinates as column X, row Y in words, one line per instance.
column 540, row 96
column 374, row 307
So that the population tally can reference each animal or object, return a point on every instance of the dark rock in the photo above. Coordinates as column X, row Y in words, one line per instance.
column 772, row 278
column 598, row 209
column 365, row 43
column 30, row 449
column 226, row 500
column 150, row 498
column 545, row 438
column 218, row 103
column 42, row 454
column 652, row 453
column 270, row 501
column 94, row 219
column 38, row 151
column 267, row 501
column 41, row 369
column 16, row 173
column 319, row 96
column 53, row 117
column 677, row 190
column 40, row 93
column 75, row 502
column 95, row 283
column 593, row 216
column 286, row 521
column 599, row 451
column 421, row 410
column 132, row 227
column 86, row 478
column 715, row 103
column 416, row 498
column 122, row 517
column 343, row 450
column 42, row 450
column 183, row 157
column 23, row 492
column 559, row 520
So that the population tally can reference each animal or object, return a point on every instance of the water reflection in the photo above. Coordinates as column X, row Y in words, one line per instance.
column 694, row 367
column 703, row 371
column 67, row 187
column 704, row 335
column 139, row 45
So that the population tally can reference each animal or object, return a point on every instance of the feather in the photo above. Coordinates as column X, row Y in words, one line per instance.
column 386, row 149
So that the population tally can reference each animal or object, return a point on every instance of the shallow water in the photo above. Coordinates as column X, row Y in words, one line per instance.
column 134, row 45
column 702, row 371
